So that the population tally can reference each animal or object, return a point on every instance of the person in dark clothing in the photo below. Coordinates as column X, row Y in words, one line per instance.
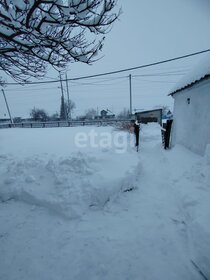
column 136, row 132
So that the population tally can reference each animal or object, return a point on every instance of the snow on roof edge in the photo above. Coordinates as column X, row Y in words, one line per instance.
column 190, row 85
column 200, row 72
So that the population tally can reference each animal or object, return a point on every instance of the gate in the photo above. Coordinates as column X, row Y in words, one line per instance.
column 166, row 133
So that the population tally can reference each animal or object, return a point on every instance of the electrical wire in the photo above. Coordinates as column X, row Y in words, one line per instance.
column 155, row 81
column 119, row 71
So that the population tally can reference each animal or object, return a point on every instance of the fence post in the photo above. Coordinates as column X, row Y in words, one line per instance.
column 168, row 133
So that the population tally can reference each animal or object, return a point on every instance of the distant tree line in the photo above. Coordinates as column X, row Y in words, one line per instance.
column 66, row 109
column 93, row 114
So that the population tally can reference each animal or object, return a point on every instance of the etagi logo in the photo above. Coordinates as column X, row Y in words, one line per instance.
column 104, row 140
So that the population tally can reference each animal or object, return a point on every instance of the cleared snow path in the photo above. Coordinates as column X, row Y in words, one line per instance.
column 147, row 233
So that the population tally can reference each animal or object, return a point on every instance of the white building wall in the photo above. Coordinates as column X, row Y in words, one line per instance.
column 191, row 126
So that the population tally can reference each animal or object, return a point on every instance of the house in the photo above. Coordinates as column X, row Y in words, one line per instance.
column 149, row 116
column 105, row 115
column 192, row 109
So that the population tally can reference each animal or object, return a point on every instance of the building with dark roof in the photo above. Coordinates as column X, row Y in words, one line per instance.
column 153, row 115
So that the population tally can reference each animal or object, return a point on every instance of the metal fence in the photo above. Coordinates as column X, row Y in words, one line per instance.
column 63, row 123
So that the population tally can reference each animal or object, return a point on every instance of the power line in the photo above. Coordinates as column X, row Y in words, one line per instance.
column 156, row 81
column 120, row 71
column 180, row 73
column 103, row 81
column 97, row 83
column 29, row 90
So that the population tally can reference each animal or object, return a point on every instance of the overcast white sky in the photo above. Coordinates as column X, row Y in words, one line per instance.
column 147, row 31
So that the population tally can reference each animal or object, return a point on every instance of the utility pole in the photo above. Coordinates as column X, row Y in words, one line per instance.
column 63, row 96
column 130, row 86
column 7, row 106
column 69, row 109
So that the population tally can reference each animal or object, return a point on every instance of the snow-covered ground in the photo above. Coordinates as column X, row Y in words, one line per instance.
column 81, row 203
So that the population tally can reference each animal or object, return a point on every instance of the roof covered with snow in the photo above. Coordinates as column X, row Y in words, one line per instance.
column 199, row 72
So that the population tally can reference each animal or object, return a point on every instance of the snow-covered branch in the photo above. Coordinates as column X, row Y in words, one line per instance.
column 39, row 32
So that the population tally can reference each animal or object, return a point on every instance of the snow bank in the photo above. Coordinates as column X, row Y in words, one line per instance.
column 160, row 230
column 65, row 185
column 199, row 215
column 194, row 196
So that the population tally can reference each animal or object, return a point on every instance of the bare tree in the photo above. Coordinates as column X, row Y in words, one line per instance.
column 124, row 114
column 66, row 108
column 63, row 112
column 39, row 115
column 70, row 106
column 91, row 113
column 54, row 117
column 35, row 33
